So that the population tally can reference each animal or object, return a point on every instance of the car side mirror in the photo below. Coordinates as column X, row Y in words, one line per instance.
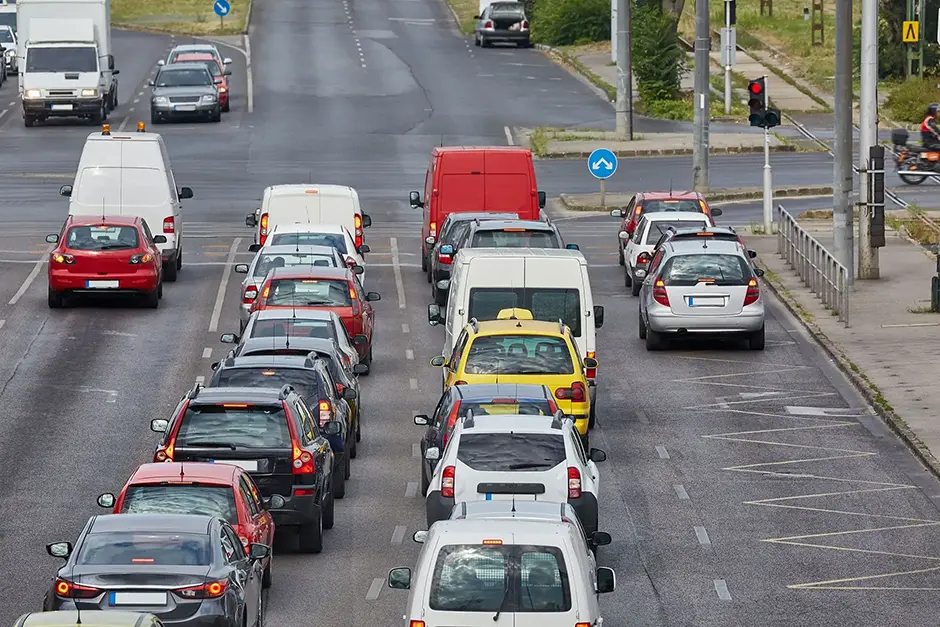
column 598, row 316
column 360, row 339
column 149, row 83
column 366, row 220
column 349, row 394
column 435, row 315
column 373, row 296
column 159, row 239
column 65, row 190
column 159, row 425
column 228, row 338
column 432, row 454
column 333, row 427
column 623, row 235
column 572, row 247
column 241, row 268
column 111, row 62
column 420, row 536
column 227, row 73
column 258, row 551
column 399, row 578
column 439, row 362
column 600, row 538
column 477, row 17
column 752, row 254
column 429, row 240
column 161, row 63
column 616, row 213
column 64, row 549
column 360, row 369
column 115, row 72
column 185, row 193
column 363, row 249
column 106, row 500
column 357, row 269
column 251, row 220
column 52, row 239
column 422, row 420
column 606, row 580
column 253, row 248
column 758, row 272
column 226, row 61
column 597, row 455
column 541, row 200
column 415, row 199
column 590, row 362
column 215, row 366
column 716, row 211
column 275, row 501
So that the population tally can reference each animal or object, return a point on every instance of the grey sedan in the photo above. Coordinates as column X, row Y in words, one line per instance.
column 699, row 287
column 504, row 22
column 184, row 90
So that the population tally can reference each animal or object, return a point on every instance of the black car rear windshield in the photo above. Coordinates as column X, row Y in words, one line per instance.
column 302, row 379
column 519, row 354
column 511, row 451
column 322, row 329
column 204, row 500
column 336, row 240
column 515, row 238
column 721, row 269
column 309, row 293
column 234, row 424
column 142, row 549
column 545, row 303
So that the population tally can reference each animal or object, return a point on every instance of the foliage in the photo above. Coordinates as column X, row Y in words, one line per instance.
column 658, row 61
column 908, row 100
column 570, row 22
column 892, row 51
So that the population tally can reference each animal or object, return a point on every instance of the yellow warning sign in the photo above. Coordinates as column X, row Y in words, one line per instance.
column 911, row 32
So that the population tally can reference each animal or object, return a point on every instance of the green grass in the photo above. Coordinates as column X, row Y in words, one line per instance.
column 465, row 10
column 191, row 17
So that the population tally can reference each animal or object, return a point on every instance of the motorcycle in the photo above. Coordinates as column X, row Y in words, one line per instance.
column 910, row 160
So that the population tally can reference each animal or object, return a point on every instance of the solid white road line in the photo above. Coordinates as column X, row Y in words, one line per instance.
column 223, row 284
column 409, row 354
column 680, row 492
column 413, row 384
column 415, row 450
column 405, row 328
column 124, row 123
column 2, row 322
column 30, row 278
column 508, row 132
column 3, row 113
column 396, row 268
column 411, row 490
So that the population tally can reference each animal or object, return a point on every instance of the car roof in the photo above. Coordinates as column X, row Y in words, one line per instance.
column 255, row 395
column 513, row 423
column 179, row 523
column 185, row 47
column 307, row 227
column 525, row 531
column 671, row 195
column 187, row 471
column 525, row 510
column 714, row 246
column 307, row 249
column 513, row 253
column 89, row 618
column 310, row 272
column 689, row 216
column 319, row 344
column 299, row 314
column 107, row 219
column 520, row 327
column 531, row 225
column 496, row 390
column 273, row 361
column 186, row 65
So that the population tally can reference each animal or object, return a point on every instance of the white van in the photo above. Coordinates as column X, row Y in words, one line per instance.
column 508, row 573
column 130, row 174
column 553, row 284
column 313, row 204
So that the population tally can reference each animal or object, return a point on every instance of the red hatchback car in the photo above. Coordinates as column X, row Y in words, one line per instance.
column 651, row 202
column 219, row 74
column 105, row 255
column 221, row 490
column 319, row 287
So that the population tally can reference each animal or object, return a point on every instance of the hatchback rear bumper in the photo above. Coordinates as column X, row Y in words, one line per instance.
column 70, row 282
column 749, row 320
column 298, row 510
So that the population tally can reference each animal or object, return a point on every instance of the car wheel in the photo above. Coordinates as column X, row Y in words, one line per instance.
column 348, row 469
column 354, row 448
column 310, row 536
column 56, row 299
column 430, row 277
column 620, row 259
column 216, row 116
column 266, row 577
column 358, row 429
column 641, row 326
column 170, row 271
column 179, row 259
column 592, row 417
column 227, row 107
column 114, row 100
column 627, row 279
column 152, row 299
column 160, row 289
column 259, row 621
column 484, row 43
column 654, row 340
column 635, row 288
column 476, row 40
column 329, row 512
column 756, row 341
column 29, row 121
column 369, row 362
column 424, row 264
column 154, row 118
column 339, row 481
column 425, row 481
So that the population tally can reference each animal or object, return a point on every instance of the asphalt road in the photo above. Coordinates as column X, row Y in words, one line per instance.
column 742, row 488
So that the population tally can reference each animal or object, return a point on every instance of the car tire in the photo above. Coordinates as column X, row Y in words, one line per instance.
column 179, row 259
column 358, row 428
column 152, row 299
column 627, row 279
column 635, row 288
column 484, row 43
column 424, row 264
column 259, row 620
column 154, row 118
column 227, row 107
column 310, row 536
column 620, row 258
column 56, row 299
column 329, row 512
column 641, row 326
column 347, row 471
column 160, row 289
column 339, row 480
column 216, row 116
column 476, row 40
column 654, row 340
column 430, row 275
column 756, row 340
column 592, row 417
column 369, row 362
column 170, row 271
column 29, row 121
column 266, row 577
column 425, row 481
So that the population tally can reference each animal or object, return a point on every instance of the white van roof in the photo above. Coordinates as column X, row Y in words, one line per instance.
column 519, row 253
column 475, row 531
column 123, row 150
column 280, row 191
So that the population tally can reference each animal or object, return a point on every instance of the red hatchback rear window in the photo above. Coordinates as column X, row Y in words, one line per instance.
column 308, row 292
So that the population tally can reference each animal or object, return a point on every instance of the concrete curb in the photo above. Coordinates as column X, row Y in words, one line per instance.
column 859, row 380
column 718, row 195
column 669, row 152
column 579, row 70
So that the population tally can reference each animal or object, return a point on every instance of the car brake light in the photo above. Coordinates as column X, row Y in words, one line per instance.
column 251, row 293
column 169, row 224
column 448, row 479
column 434, row 229
column 69, row 590
column 525, row 26
column 488, row 25
column 326, row 412
column 659, row 293
column 245, row 541
column 574, row 393
column 582, row 625
column 208, row 590
column 574, row 483
column 222, row 89
column 752, row 294
column 145, row 258
column 703, row 206
column 591, row 372
column 63, row 258
column 264, row 228
column 451, row 421
column 445, row 259
column 417, row 623
column 358, row 230
column 642, row 258
column 552, row 405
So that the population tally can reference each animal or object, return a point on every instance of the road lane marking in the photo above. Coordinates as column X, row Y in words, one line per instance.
column 30, row 278
column 409, row 354
column 663, row 453
column 206, row 353
column 415, row 450
column 2, row 322
column 119, row 333
column 413, row 384
column 405, row 328
column 124, row 122
column 411, row 490
column 223, row 284
column 375, row 589
column 399, row 534
column 722, row 589
column 680, row 492
column 509, row 141
column 396, row 267
column 3, row 113
column 702, row 536
column 200, row 380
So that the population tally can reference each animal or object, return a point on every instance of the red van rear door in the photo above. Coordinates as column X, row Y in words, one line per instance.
column 509, row 184
column 460, row 183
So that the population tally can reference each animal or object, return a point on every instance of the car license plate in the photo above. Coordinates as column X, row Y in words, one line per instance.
column 185, row 107
column 138, row 598
column 251, row 465
column 706, row 301
column 101, row 285
column 61, row 107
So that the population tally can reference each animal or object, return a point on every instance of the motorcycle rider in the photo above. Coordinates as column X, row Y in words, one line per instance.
column 930, row 128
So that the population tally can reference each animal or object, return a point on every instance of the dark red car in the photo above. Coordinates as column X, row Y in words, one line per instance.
column 105, row 255
column 221, row 490
column 319, row 287
column 219, row 74
column 651, row 202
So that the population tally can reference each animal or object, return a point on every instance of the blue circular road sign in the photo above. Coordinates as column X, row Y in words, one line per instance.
column 602, row 163
column 221, row 7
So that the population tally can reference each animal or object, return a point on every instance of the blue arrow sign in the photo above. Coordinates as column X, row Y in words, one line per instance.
column 221, row 7
column 602, row 163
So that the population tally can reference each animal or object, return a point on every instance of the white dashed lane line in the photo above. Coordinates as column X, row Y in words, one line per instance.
column 375, row 589
column 405, row 328
column 721, row 587
column 206, row 353
column 409, row 354
column 663, row 453
column 702, row 536
column 411, row 490
column 399, row 534
column 415, row 447
column 680, row 492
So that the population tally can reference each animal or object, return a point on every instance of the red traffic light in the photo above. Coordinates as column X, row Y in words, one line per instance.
column 756, row 88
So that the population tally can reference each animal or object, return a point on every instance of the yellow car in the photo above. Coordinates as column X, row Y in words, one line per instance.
column 514, row 348
column 89, row 618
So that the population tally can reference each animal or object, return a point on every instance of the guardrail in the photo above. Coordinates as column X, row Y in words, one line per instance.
column 819, row 270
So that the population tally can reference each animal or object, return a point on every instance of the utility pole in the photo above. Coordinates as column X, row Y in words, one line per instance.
column 868, row 132
column 701, row 102
column 843, row 215
column 624, row 71
column 613, row 31
column 728, row 47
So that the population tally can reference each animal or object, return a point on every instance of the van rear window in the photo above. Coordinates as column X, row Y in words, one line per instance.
column 489, row 578
column 545, row 303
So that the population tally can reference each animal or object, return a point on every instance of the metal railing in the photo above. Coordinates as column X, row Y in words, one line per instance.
column 817, row 267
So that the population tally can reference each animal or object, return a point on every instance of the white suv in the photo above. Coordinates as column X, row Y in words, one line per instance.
column 306, row 234
column 639, row 249
column 531, row 458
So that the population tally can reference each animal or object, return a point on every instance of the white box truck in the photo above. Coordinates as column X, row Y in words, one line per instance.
column 64, row 60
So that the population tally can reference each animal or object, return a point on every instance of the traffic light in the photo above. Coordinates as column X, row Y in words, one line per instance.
column 760, row 115
column 876, row 168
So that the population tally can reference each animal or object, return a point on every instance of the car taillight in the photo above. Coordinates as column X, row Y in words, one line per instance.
column 169, row 224
column 303, row 462
column 145, row 258
column 222, row 89
column 351, row 263
column 659, row 293
column 753, row 293
column 62, row 258
column 575, row 393
column 245, row 541
column 326, row 412
column 552, row 405
column 451, row 421
column 358, row 222
column 165, row 453
column 642, row 259
column 208, row 590
column 264, row 228
column 574, row 483
column 417, row 623
column 434, row 229
column 447, row 482
column 69, row 590
column 251, row 293
column 704, row 207
column 488, row 24
column 445, row 259
column 591, row 372
column 525, row 26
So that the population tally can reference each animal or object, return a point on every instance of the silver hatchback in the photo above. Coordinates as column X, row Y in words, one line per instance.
column 701, row 287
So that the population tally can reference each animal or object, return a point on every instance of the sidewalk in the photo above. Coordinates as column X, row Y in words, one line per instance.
column 891, row 351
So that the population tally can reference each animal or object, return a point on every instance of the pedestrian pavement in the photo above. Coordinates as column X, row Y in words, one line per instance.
column 891, row 349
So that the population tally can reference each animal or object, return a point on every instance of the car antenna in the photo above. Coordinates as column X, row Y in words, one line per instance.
column 670, row 187
column 78, row 611
column 182, row 474
column 513, row 505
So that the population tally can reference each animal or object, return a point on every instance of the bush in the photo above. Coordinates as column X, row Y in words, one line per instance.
column 570, row 22
column 658, row 61
column 908, row 101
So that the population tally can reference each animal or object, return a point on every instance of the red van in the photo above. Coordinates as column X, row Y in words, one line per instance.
column 498, row 179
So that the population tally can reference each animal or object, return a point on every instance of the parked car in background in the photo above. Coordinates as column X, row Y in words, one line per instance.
column 503, row 22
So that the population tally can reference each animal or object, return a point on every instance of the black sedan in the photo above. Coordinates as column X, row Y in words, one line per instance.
column 187, row 570
column 184, row 91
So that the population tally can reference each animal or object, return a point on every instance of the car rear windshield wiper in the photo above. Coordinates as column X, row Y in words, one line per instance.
column 522, row 466
column 320, row 302
column 116, row 246
column 212, row 445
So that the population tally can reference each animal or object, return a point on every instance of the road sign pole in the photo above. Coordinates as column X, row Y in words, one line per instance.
column 768, row 178
column 602, row 164
column 603, row 193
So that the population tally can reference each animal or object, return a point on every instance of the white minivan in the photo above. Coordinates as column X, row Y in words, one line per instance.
column 311, row 204
column 130, row 174
column 506, row 573
column 553, row 284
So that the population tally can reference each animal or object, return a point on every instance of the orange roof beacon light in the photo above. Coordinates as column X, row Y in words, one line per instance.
column 105, row 129
column 141, row 127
